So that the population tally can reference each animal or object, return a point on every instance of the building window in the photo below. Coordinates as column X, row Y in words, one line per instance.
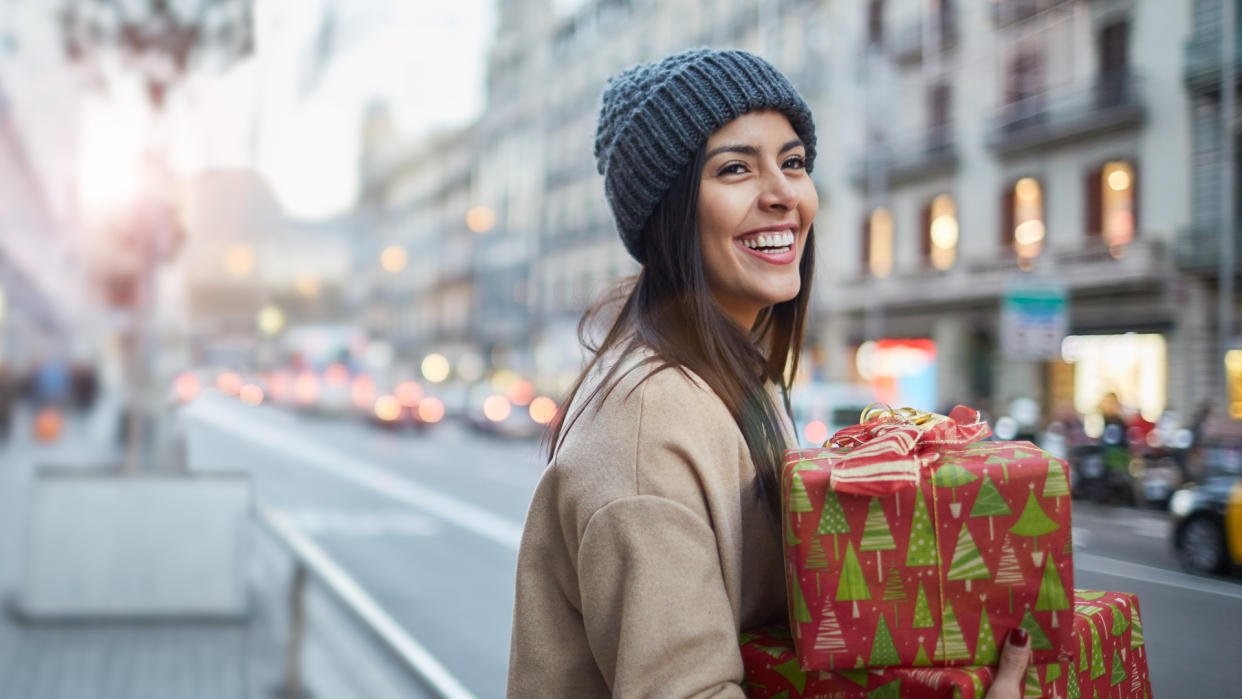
column 1114, row 57
column 940, row 101
column 878, row 242
column 1023, row 229
column 875, row 22
column 1111, row 203
column 940, row 232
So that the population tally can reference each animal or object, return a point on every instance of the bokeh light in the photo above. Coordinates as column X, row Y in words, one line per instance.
column 480, row 219
column 496, row 408
column 387, row 408
column 816, row 432
column 435, row 367
column 394, row 258
column 409, row 393
column 251, row 393
column 239, row 260
column 431, row 410
column 229, row 382
column 542, row 410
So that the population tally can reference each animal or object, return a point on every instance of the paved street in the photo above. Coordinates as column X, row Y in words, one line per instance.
column 428, row 524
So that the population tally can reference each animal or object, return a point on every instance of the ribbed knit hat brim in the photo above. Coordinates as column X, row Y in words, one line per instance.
column 656, row 116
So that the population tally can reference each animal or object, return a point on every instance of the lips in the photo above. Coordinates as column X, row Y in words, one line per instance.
column 773, row 245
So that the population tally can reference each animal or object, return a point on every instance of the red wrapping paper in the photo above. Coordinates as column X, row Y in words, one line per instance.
column 938, row 570
column 1112, row 664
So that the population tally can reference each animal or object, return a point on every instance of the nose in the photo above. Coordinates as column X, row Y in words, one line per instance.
column 778, row 192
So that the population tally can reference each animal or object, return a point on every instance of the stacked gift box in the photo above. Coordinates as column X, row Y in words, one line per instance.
column 912, row 548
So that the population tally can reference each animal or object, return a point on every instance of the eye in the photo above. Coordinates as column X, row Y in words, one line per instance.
column 733, row 168
column 796, row 162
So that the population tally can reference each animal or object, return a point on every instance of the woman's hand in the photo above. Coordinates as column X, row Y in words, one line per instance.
column 1015, row 656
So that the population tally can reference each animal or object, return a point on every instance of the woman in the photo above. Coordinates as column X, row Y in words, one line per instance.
column 652, row 538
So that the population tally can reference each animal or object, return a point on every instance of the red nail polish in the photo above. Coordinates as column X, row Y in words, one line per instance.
column 1019, row 637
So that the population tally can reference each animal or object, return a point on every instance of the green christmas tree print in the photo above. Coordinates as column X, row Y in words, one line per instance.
column 1073, row 691
column 1097, row 654
column 746, row 637
column 832, row 521
column 1031, row 688
column 1120, row 621
column 791, row 538
column 828, row 638
column 1053, row 674
column 1008, row 572
column 952, row 475
column 852, row 586
column 1084, row 654
column 1051, row 591
column 1119, row 671
column 858, row 677
column 921, row 659
column 883, row 652
column 986, row 652
column 1136, row 628
column 792, row 672
column 877, row 535
column 922, row 550
column 892, row 690
column 989, row 503
column 1003, row 461
column 816, row 561
column 774, row 651
column 967, row 562
column 1056, row 484
column 1039, row 639
column 1033, row 521
column 799, row 502
column 1088, row 595
column 922, row 611
column 894, row 589
column 952, row 643
column 800, row 613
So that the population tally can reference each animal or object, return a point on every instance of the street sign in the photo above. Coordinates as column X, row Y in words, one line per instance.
column 1034, row 320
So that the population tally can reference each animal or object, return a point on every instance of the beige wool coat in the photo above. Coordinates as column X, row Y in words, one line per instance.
column 646, row 549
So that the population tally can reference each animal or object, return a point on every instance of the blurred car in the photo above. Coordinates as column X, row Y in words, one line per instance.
column 821, row 408
column 492, row 412
column 405, row 405
column 1207, row 519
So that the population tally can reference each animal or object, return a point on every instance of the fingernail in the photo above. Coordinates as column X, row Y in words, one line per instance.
column 1019, row 637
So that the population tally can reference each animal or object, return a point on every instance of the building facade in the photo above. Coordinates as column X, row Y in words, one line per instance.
column 1010, row 190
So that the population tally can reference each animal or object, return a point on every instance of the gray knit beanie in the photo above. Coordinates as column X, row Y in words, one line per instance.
column 656, row 116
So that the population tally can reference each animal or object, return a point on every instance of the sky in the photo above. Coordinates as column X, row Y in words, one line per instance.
column 298, row 122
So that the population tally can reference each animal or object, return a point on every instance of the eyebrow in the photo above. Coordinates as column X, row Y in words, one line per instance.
column 750, row 150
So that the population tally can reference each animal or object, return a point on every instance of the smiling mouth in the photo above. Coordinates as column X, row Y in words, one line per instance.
column 772, row 243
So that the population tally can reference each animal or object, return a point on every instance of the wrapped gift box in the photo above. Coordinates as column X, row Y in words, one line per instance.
column 915, row 544
column 1112, row 663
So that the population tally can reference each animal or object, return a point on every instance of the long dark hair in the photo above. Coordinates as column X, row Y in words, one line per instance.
column 669, row 309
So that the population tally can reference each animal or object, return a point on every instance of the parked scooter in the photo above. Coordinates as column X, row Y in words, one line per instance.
column 1103, row 468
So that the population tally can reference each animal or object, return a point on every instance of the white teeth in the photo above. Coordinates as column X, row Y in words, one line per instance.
column 775, row 240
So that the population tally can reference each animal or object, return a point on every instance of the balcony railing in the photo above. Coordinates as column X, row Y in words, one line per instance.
column 931, row 152
column 1203, row 59
column 1045, row 119
column 912, row 41
column 1197, row 248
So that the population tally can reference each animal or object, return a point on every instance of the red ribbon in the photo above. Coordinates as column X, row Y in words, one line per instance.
column 888, row 453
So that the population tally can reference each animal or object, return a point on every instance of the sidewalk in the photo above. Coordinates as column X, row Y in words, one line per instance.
column 172, row 659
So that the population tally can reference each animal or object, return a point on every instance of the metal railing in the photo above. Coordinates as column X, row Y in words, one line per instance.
column 1041, row 119
column 312, row 563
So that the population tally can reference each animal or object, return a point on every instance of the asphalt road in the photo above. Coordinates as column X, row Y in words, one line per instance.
column 429, row 523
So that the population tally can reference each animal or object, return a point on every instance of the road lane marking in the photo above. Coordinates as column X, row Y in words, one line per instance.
column 1151, row 574
column 361, row 524
column 350, row 468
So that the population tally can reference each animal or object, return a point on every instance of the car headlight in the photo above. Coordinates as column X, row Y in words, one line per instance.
column 1182, row 502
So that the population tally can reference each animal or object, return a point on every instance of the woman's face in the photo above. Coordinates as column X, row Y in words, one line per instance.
column 756, row 205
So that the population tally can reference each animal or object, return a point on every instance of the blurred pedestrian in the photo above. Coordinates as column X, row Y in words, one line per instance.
column 8, row 397
column 653, row 536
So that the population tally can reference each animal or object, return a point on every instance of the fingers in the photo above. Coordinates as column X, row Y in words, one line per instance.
column 1015, row 656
